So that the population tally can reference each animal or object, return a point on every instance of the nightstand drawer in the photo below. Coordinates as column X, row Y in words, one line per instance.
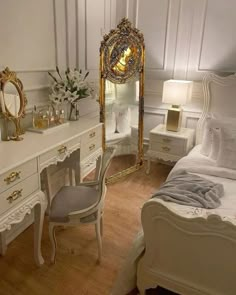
column 18, row 192
column 166, row 139
column 92, row 135
column 167, row 148
column 90, row 147
column 7, row 180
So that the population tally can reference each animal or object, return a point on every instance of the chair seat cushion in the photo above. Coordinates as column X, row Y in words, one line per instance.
column 70, row 199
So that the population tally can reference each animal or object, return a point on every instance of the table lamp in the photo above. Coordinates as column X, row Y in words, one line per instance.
column 177, row 93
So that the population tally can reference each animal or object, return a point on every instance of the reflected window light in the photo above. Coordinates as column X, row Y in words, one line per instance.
column 137, row 90
column 111, row 91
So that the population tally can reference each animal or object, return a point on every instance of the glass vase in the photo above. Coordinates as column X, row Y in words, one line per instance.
column 74, row 112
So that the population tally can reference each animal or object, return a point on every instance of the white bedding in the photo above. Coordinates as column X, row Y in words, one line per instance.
column 205, row 167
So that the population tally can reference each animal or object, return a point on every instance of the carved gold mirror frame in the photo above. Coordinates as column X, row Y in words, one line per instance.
column 122, row 54
column 13, row 107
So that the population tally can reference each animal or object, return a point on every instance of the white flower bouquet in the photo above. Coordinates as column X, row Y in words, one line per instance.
column 70, row 87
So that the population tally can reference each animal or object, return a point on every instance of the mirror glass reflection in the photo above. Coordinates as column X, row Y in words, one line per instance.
column 12, row 99
column 122, row 97
column 13, row 102
column 123, row 58
column 122, row 115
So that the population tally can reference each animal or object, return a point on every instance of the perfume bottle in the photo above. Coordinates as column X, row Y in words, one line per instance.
column 34, row 116
column 51, row 116
column 62, row 116
column 41, row 120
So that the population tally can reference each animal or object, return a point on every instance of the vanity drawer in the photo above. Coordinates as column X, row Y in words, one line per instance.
column 59, row 153
column 92, row 135
column 90, row 147
column 18, row 192
column 166, row 139
column 167, row 148
column 14, row 176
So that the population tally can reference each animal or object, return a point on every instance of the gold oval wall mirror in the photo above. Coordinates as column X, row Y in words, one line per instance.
column 13, row 101
column 121, row 97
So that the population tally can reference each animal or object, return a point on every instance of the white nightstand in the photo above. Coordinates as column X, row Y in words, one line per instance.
column 168, row 145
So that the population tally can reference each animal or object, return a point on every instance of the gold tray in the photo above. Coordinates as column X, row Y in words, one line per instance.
column 50, row 129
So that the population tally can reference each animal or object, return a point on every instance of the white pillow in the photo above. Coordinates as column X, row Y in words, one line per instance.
column 123, row 120
column 110, row 122
column 224, row 120
column 215, row 122
column 215, row 144
column 227, row 152
column 207, row 138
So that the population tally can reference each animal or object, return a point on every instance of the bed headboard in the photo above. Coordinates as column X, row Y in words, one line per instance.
column 219, row 98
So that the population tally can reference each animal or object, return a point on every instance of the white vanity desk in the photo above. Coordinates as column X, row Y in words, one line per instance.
column 21, row 163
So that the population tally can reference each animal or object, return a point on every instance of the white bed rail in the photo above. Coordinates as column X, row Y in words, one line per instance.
column 189, row 255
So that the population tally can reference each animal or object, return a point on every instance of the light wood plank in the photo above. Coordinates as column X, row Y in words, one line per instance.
column 76, row 271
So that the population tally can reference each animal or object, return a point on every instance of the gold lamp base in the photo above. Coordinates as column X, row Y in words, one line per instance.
column 174, row 118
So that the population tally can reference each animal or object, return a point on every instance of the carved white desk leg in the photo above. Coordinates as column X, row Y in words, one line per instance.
column 3, row 244
column 47, row 181
column 39, row 211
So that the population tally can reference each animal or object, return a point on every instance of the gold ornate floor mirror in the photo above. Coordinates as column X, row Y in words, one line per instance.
column 122, row 95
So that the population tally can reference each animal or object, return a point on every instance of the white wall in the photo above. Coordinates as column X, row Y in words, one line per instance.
column 28, row 43
column 80, row 25
column 38, row 35
column 184, row 40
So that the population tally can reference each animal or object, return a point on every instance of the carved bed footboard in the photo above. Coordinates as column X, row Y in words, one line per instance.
column 188, row 255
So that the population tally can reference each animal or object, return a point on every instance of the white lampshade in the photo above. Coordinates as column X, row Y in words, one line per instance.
column 177, row 92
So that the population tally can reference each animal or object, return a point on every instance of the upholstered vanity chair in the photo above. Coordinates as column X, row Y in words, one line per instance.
column 81, row 204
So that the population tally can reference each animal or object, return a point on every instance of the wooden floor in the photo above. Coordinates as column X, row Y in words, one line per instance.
column 76, row 271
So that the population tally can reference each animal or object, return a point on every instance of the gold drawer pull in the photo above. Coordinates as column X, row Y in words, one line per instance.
column 92, row 134
column 91, row 147
column 62, row 149
column 166, row 148
column 12, row 177
column 15, row 195
column 166, row 140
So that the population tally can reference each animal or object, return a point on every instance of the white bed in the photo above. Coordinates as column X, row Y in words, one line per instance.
column 189, row 250
column 201, row 165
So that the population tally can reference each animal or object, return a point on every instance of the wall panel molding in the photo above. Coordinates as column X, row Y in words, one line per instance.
column 25, row 33
column 212, row 46
column 161, row 43
column 61, row 33
column 191, row 121
column 214, row 56
column 184, row 35
column 196, row 42
column 36, row 52
column 36, row 88
column 34, row 70
column 203, row 26
column 82, row 38
column 71, row 33
column 132, row 7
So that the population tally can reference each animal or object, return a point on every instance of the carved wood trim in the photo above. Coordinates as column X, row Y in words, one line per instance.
column 17, row 213
column 207, row 80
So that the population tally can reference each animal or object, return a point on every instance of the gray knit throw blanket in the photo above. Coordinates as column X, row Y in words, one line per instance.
column 191, row 190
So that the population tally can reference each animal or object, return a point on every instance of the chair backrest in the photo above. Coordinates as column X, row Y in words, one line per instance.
column 106, row 160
